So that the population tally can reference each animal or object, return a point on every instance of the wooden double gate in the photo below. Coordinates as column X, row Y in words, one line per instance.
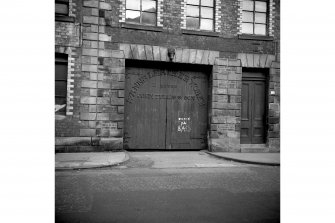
column 165, row 106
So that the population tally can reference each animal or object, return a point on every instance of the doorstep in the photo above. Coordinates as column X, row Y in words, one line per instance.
column 254, row 148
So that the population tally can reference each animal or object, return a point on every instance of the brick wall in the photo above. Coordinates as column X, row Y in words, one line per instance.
column 229, row 45
column 229, row 18
column 172, row 16
column 68, row 41
column 67, row 34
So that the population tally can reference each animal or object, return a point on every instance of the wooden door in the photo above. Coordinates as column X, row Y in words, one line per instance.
column 186, row 126
column 165, row 107
column 253, row 108
column 145, row 114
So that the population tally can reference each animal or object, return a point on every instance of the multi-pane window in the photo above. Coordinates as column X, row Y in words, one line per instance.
column 60, row 82
column 141, row 11
column 62, row 7
column 254, row 17
column 200, row 14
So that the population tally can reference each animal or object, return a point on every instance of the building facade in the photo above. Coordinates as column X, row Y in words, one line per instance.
column 167, row 75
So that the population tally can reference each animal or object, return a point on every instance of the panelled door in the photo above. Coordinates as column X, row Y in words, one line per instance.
column 253, row 114
column 165, row 107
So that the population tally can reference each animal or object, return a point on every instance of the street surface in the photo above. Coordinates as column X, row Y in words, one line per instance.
column 170, row 187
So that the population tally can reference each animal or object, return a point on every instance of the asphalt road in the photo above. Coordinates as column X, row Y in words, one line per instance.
column 144, row 191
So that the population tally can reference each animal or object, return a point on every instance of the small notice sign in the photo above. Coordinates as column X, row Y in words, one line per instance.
column 184, row 124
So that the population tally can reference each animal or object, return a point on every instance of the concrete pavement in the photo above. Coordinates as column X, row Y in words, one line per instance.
column 271, row 159
column 181, row 159
column 176, row 159
column 65, row 161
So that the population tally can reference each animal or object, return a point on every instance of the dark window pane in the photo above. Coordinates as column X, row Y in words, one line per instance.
column 260, row 29
column 260, row 17
column 247, row 28
column 148, row 6
column 247, row 16
column 207, row 12
column 248, row 5
column 61, row 57
column 62, row 9
column 60, row 88
column 193, row 2
column 192, row 11
column 133, row 4
column 133, row 16
column 149, row 18
column 206, row 24
column 260, row 6
column 207, row 3
column 61, row 71
column 192, row 23
column 60, row 101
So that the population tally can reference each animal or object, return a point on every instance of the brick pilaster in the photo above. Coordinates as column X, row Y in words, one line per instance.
column 239, row 16
column 183, row 14
column 218, row 16
column 271, row 17
column 273, row 133
column 122, row 11
column 160, row 13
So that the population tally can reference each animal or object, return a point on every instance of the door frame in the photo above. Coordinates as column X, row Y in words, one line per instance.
column 204, row 68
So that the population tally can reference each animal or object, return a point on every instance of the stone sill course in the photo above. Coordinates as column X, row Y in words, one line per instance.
column 64, row 19
column 141, row 27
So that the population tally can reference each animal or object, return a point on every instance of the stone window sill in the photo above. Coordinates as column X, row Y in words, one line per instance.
column 59, row 117
column 64, row 18
column 141, row 27
column 255, row 37
column 199, row 33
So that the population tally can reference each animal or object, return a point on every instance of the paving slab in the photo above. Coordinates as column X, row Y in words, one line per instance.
column 65, row 161
column 272, row 159
column 176, row 159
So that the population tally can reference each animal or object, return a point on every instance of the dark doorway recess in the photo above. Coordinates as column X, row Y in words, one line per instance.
column 254, row 101
column 166, row 106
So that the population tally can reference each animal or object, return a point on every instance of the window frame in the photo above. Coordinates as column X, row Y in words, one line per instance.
column 199, row 18
column 62, row 2
column 61, row 58
column 63, row 17
column 254, row 20
column 141, row 11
